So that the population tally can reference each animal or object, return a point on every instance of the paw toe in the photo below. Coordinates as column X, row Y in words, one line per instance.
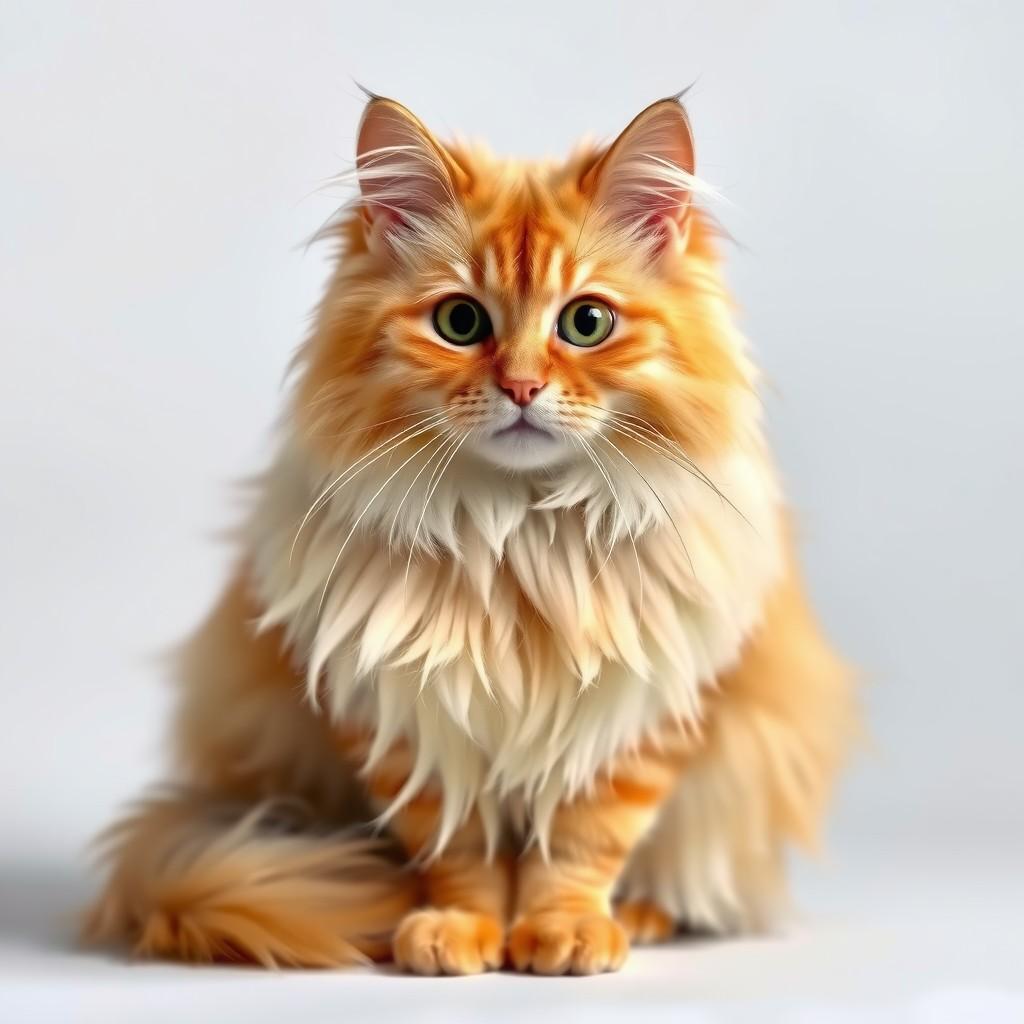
column 556, row 943
column 433, row 942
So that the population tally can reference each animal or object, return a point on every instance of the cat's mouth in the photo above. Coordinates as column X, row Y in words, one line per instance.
column 522, row 428
column 524, row 444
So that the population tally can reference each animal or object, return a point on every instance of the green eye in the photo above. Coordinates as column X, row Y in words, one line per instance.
column 462, row 321
column 585, row 322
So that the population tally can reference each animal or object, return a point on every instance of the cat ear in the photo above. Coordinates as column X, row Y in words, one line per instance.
column 645, row 178
column 406, row 177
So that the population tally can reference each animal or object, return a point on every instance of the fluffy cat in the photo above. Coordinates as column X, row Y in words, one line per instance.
column 515, row 665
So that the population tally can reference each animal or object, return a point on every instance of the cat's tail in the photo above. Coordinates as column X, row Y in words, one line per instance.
column 197, row 878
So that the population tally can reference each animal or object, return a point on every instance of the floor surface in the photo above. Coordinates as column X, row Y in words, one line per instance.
column 928, row 932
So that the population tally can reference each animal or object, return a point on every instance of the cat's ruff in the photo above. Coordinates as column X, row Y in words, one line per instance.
column 624, row 639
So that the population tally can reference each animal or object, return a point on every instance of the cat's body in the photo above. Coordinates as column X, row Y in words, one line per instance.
column 523, row 596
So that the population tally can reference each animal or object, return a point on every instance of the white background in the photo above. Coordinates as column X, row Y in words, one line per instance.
column 162, row 164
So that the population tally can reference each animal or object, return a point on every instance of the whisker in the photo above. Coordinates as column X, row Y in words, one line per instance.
column 664, row 441
column 638, row 423
column 403, row 435
column 608, row 554
column 352, row 471
column 661, row 449
column 380, row 423
column 657, row 496
column 670, row 439
column 632, row 539
column 430, row 458
column 358, row 520
column 442, row 466
column 681, row 461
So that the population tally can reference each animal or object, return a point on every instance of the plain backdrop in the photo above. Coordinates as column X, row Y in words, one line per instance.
column 163, row 165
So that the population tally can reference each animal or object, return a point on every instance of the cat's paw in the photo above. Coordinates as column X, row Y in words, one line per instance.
column 645, row 923
column 434, row 941
column 567, row 943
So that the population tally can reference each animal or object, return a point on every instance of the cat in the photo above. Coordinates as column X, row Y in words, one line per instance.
column 515, row 666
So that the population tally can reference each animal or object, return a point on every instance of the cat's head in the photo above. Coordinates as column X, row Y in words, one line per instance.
column 529, row 315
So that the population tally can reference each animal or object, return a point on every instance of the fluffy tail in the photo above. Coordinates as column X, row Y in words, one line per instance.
column 201, row 879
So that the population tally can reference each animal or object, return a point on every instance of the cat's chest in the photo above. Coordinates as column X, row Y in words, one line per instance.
column 522, row 659
column 534, row 673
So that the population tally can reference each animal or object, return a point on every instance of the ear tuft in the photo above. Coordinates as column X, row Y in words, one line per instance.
column 645, row 178
column 405, row 174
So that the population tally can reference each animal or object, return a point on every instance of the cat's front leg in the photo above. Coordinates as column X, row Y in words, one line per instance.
column 461, row 930
column 460, row 926
column 564, row 922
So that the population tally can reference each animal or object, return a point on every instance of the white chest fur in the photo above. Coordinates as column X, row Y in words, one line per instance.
column 536, row 630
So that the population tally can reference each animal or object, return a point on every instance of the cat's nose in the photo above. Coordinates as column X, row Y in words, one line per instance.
column 522, row 392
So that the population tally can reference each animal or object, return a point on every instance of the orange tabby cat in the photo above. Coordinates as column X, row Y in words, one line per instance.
column 515, row 665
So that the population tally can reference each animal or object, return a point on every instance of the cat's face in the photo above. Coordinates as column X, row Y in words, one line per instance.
column 530, row 315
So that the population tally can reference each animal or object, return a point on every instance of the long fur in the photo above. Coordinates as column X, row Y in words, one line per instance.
column 594, row 653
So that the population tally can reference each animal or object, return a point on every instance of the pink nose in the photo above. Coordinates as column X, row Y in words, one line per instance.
column 522, row 392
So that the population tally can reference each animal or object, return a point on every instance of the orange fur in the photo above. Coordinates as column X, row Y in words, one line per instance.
column 573, row 678
column 200, row 879
column 644, row 923
column 778, row 726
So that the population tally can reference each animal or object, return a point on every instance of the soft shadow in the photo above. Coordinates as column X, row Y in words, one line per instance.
column 41, row 905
